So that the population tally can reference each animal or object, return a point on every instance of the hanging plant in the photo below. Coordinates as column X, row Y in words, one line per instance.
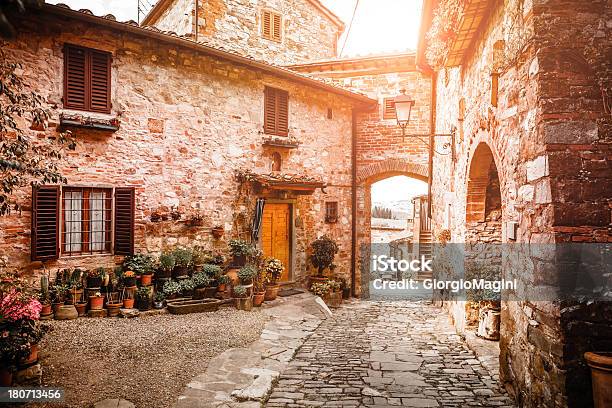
column 443, row 30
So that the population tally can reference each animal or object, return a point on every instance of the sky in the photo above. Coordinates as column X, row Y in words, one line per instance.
column 380, row 26
column 397, row 188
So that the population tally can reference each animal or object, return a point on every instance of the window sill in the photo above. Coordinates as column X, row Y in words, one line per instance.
column 281, row 141
column 89, row 120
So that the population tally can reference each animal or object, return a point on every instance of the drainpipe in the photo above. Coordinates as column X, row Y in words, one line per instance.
column 197, row 18
column 432, row 131
column 353, row 198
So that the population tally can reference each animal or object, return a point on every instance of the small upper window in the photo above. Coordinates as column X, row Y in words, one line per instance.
column 271, row 25
column 87, row 79
column 331, row 212
column 388, row 108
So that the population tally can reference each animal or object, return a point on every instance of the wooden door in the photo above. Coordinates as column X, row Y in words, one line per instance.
column 276, row 235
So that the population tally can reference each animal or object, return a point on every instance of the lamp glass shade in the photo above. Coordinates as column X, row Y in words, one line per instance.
column 403, row 108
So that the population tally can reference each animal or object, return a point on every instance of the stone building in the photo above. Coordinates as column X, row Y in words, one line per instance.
column 526, row 84
column 163, row 125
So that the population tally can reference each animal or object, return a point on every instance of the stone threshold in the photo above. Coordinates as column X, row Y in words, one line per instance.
column 243, row 377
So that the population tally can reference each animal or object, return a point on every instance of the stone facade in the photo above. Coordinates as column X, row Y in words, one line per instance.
column 549, row 136
column 307, row 32
column 188, row 122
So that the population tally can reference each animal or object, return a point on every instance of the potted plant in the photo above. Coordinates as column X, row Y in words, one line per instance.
column 346, row 289
column 96, row 301
column 158, row 300
column 273, row 271
column 200, row 283
column 187, row 287
column 323, row 251
column 75, row 285
column 112, row 307
column 334, row 296
column 146, row 278
column 166, row 265
column 141, row 264
column 44, row 296
column 242, row 298
column 259, row 289
column 129, row 279
column 58, row 296
column 246, row 274
column 172, row 289
column 94, row 278
column 601, row 377
column 224, row 280
column 218, row 231
column 239, row 249
column 182, row 259
column 143, row 298
column 128, row 299
column 320, row 289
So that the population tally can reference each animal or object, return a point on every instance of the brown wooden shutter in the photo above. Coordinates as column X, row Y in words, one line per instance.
column 282, row 123
column 276, row 27
column 45, row 222
column 266, row 25
column 100, row 81
column 125, row 208
column 87, row 79
column 389, row 109
column 75, row 78
column 270, row 111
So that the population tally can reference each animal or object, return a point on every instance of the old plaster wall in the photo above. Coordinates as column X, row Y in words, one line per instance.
column 235, row 25
column 188, row 122
column 549, row 135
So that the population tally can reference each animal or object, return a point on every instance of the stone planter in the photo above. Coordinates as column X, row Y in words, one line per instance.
column 81, row 308
column 180, row 271
column 488, row 323
column 333, row 299
column 601, row 376
column 56, row 306
column 245, row 304
column 271, row 292
column 112, row 309
column 258, row 298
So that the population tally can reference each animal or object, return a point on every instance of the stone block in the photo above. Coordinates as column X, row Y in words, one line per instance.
column 537, row 168
column 571, row 132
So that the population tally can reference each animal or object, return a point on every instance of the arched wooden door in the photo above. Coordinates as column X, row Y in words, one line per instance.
column 276, row 235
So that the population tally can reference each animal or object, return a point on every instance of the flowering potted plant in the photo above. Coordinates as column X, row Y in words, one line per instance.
column 96, row 301
column 273, row 271
column 171, row 289
column 129, row 279
column 142, row 265
column 94, row 278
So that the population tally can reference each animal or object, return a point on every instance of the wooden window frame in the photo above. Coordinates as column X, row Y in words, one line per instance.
column 275, row 33
column 85, row 221
column 331, row 212
column 88, row 105
column 273, row 124
column 388, row 109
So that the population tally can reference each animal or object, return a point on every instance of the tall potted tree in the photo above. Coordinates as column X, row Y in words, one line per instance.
column 273, row 271
column 323, row 251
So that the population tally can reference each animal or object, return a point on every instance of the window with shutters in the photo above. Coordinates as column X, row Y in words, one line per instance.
column 331, row 212
column 271, row 25
column 87, row 79
column 276, row 112
column 389, row 109
column 80, row 220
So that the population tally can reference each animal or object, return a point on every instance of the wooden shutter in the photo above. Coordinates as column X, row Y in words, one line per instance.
column 45, row 222
column 87, row 79
column 75, row 78
column 266, row 24
column 276, row 26
column 389, row 108
column 276, row 112
column 125, row 204
column 100, row 81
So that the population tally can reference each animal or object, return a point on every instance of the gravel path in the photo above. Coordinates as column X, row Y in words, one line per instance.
column 148, row 360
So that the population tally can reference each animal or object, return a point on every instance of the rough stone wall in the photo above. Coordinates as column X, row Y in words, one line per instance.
column 177, row 17
column 187, row 123
column 550, row 138
column 235, row 25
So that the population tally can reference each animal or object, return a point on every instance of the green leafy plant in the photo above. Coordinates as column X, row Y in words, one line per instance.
column 247, row 273
column 183, row 257
column 224, row 280
column 201, row 280
column 167, row 261
column 159, row 296
column 187, row 285
column 240, row 291
column 239, row 247
column 139, row 263
column 143, row 293
column 212, row 271
column 323, row 251
column 172, row 288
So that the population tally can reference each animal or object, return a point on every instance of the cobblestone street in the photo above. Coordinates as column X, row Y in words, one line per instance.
column 387, row 354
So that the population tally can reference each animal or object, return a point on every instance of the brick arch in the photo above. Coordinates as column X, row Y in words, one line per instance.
column 478, row 180
column 391, row 167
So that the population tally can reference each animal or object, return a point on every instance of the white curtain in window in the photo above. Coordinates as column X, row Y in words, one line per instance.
column 73, row 220
column 96, row 235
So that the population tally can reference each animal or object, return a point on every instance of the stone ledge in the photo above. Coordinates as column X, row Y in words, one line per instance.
column 89, row 120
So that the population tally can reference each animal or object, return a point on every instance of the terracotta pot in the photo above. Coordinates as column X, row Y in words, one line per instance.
column 163, row 274
column 96, row 302
column 239, row 261
column 232, row 274
column 128, row 303
column 258, row 298
column 180, row 271
column 46, row 309
column 6, row 377
column 222, row 288
column 129, row 282
column 210, row 292
column 81, row 308
column 346, row 293
column 601, row 376
column 94, row 282
column 218, row 232
column 113, row 309
column 75, row 295
column 146, row 280
column 245, row 304
column 56, row 306
column 66, row 312
column 271, row 292
column 32, row 358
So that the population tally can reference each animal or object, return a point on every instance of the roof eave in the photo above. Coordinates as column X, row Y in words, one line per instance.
column 426, row 19
column 199, row 47
column 154, row 14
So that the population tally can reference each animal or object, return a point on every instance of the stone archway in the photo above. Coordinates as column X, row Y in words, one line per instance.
column 366, row 176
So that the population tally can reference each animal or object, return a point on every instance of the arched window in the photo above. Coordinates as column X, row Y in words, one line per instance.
column 277, row 161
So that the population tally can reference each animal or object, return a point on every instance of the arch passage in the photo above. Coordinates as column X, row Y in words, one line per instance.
column 483, row 190
column 391, row 167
